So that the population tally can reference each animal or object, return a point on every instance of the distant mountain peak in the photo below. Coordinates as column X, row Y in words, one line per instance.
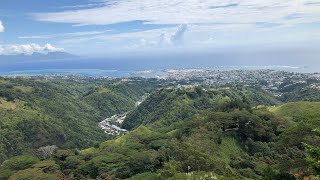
column 56, row 55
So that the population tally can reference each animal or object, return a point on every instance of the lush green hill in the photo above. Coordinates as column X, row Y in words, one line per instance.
column 300, row 142
column 116, row 96
column 296, row 109
column 168, row 107
column 208, row 144
column 210, row 132
column 39, row 112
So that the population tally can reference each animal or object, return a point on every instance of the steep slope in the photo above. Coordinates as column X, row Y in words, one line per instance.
column 299, row 142
column 295, row 91
column 210, row 132
column 118, row 96
column 169, row 107
column 252, row 143
column 206, row 143
column 38, row 112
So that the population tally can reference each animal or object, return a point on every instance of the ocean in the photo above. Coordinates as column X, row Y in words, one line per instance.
column 124, row 66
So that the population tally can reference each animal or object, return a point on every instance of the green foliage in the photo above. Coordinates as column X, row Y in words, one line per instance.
column 12, row 165
column 291, row 146
column 203, row 144
column 313, row 157
column 297, row 109
column 198, row 175
column 145, row 176
column 183, row 133
column 299, row 92
column 19, row 162
column 199, row 145
column 169, row 107
column 37, row 112
column 42, row 170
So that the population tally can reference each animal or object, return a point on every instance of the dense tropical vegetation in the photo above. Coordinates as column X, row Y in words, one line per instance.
column 49, row 130
column 169, row 107
column 39, row 112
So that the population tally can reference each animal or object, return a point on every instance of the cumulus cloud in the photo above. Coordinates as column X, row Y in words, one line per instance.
column 189, row 11
column 161, row 40
column 1, row 27
column 177, row 37
column 28, row 49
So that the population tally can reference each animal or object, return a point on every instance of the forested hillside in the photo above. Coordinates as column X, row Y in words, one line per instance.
column 169, row 107
column 237, row 144
column 215, row 132
column 293, row 92
column 65, row 113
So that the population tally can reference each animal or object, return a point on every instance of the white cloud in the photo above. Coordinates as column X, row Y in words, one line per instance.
column 190, row 12
column 28, row 49
column 127, row 36
column 177, row 37
column 73, row 34
column 186, row 35
column 1, row 27
column 37, row 37
column 228, row 21
column 148, row 39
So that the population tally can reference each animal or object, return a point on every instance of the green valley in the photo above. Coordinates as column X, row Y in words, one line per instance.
column 49, row 129
column 36, row 113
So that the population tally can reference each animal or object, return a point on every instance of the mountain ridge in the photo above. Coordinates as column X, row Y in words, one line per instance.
column 37, row 57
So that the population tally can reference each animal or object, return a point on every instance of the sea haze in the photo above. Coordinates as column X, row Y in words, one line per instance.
column 122, row 65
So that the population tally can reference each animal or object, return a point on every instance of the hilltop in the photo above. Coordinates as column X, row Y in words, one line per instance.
column 169, row 107
column 292, row 109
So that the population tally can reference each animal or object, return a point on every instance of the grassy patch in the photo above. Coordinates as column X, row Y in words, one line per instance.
column 24, row 89
column 103, row 90
column 89, row 151
column 296, row 109
column 229, row 147
column 8, row 105
column 3, row 81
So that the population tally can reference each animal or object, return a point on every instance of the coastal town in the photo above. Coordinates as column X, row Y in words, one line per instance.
column 270, row 80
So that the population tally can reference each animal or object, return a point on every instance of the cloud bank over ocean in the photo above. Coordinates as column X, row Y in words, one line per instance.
column 28, row 49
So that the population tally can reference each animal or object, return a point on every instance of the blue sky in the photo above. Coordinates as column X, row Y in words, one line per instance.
column 100, row 27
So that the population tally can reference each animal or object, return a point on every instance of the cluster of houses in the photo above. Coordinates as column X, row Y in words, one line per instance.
column 109, row 125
